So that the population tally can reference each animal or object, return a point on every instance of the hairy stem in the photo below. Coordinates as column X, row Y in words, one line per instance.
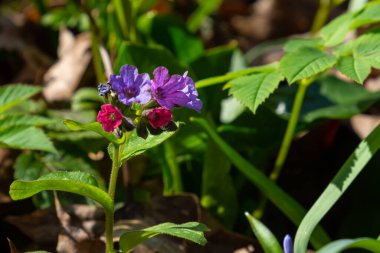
column 111, row 192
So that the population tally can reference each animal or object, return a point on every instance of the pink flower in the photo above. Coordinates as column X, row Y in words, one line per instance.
column 159, row 117
column 110, row 117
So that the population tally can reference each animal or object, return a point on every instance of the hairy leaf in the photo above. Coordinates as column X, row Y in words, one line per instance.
column 192, row 231
column 94, row 127
column 75, row 182
column 252, row 90
column 136, row 145
column 304, row 63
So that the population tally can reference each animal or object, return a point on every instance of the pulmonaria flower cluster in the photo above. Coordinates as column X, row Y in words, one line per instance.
column 136, row 101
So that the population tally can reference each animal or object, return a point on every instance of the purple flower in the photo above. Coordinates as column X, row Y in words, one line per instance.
column 103, row 89
column 288, row 244
column 175, row 90
column 131, row 86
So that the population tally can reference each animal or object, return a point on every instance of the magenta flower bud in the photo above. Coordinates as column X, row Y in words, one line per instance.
column 110, row 117
column 159, row 117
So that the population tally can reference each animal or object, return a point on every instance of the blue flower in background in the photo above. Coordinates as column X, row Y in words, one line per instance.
column 131, row 86
column 103, row 89
column 288, row 244
column 170, row 91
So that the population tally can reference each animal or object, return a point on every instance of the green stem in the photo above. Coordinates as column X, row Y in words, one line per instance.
column 285, row 145
column 111, row 193
column 321, row 16
column 97, row 59
column 290, row 129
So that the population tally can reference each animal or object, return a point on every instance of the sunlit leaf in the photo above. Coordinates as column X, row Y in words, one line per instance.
column 75, row 182
column 369, row 244
column 304, row 63
column 136, row 145
column 253, row 90
column 25, row 137
column 94, row 127
column 343, row 179
column 192, row 231
column 267, row 240
column 12, row 94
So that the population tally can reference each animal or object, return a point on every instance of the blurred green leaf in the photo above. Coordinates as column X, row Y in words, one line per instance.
column 370, row 15
column 8, row 120
column 295, row 44
column 192, row 231
column 343, row 179
column 28, row 167
column 292, row 209
column 343, row 244
column 86, row 99
column 170, row 32
column 345, row 100
column 305, row 63
column 204, row 9
column 12, row 94
column 146, row 58
column 25, row 137
column 94, row 127
column 267, row 240
column 218, row 191
column 75, row 182
column 335, row 31
column 253, row 90
column 357, row 69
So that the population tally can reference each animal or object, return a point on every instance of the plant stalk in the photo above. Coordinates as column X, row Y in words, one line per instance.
column 287, row 140
column 321, row 16
column 111, row 193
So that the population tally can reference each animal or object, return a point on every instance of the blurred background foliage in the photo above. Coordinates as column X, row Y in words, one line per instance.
column 65, row 48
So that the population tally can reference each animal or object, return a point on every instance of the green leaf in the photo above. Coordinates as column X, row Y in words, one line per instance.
column 293, row 210
column 359, row 56
column 25, row 137
column 343, row 179
column 192, row 231
column 304, row 63
column 344, row 100
column 12, row 94
column 295, row 44
column 169, row 31
column 370, row 15
column 236, row 74
column 204, row 9
column 335, row 31
column 136, row 145
column 75, row 182
column 146, row 58
column 359, row 243
column 7, row 120
column 86, row 99
column 28, row 167
column 267, row 240
column 94, row 127
column 357, row 69
column 252, row 90
column 218, row 191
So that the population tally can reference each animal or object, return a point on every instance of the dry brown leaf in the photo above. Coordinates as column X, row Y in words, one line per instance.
column 63, row 78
